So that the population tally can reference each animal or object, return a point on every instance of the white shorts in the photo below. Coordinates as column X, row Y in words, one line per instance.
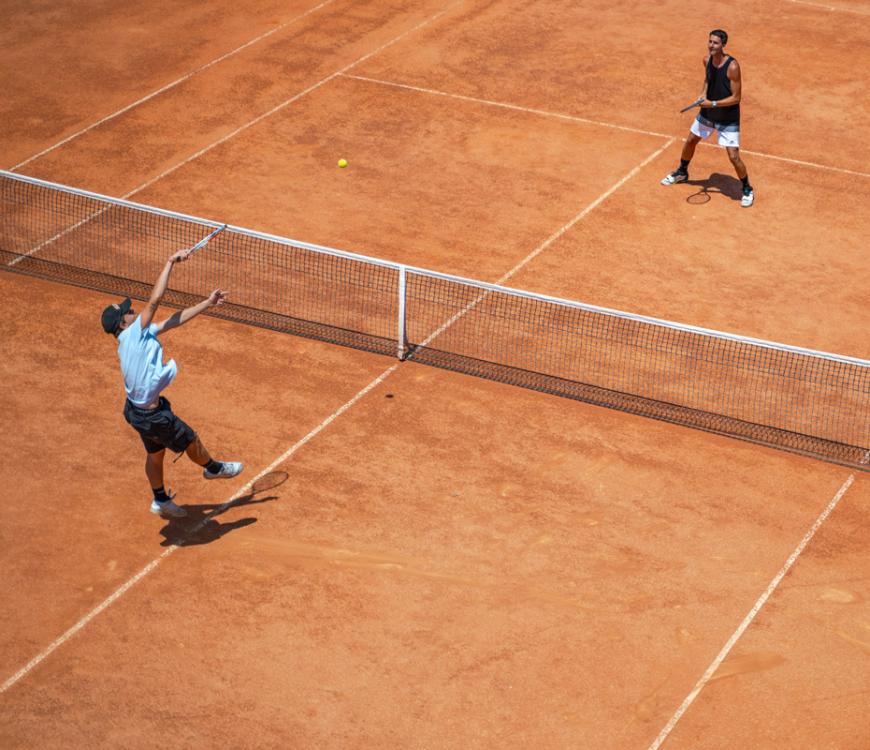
column 729, row 135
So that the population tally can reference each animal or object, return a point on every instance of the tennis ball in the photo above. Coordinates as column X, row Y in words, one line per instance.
column 342, row 163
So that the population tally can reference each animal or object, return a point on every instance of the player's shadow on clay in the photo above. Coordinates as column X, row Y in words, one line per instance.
column 716, row 183
column 201, row 526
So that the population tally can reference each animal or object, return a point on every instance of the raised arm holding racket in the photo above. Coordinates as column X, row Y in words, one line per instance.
column 146, row 375
column 719, row 102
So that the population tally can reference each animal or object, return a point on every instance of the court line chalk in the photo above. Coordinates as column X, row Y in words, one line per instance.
column 600, row 123
column 150, row 567
column 833, row 8
column 544, row 245
column 168, row 86
column 27, row 668
column 292, row 99
column 242, row 128
column 756, row 608
column 799, row 162
column 299, row 444
column 597, row 202
column 506, row 105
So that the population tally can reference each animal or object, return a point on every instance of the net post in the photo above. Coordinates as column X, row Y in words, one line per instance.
column 402, row 341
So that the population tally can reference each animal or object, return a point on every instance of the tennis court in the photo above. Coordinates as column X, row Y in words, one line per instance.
column 414, row 556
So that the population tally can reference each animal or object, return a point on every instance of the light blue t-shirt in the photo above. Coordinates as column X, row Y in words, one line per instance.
column 141, row 355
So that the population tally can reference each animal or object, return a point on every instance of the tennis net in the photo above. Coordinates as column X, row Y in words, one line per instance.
column 794, row 399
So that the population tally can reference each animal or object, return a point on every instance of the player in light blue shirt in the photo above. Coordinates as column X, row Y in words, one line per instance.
column 146, row 375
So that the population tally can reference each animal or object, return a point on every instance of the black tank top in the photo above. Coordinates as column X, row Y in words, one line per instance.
column 719, row 87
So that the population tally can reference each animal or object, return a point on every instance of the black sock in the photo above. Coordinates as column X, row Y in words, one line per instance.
column 160, row 495
column 745, row 181
column 213, row 467
column 684, row 166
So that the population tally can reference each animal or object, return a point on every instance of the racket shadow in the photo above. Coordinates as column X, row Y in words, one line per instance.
column 716, row 183
column 201, row 526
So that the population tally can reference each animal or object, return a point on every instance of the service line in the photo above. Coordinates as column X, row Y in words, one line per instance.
column 599, row 123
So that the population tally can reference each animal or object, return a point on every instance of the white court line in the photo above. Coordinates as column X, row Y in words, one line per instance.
column 543, row 246
column 169, row 86
column 244, row 127
column 606, row 194
column 154, row 563
column 835, row 9
column 797, row 161
column 613, row 126
column 290, row 451
column 292, row 99
column 726, row 649
column 505, row 105
column 123, row 589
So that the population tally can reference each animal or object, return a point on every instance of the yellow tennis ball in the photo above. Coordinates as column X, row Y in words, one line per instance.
column 342, row 163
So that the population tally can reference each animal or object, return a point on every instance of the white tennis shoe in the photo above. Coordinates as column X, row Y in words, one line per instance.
column 674, row 177
column 228, row 470
column 748, row 197
column 168, row 509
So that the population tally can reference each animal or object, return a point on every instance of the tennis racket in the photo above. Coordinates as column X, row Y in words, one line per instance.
column 205, row 240
column 183, row 255
column 693, row 104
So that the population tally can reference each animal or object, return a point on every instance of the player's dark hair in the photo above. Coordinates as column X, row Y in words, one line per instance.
column 723, row 35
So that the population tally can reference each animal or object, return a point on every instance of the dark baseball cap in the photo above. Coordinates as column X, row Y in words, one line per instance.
column 114, row 314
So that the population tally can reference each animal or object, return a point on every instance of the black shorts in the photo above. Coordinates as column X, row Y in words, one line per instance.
column 159, row 428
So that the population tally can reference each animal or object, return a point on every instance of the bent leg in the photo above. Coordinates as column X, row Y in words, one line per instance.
column 197, row 452
column 212, row 469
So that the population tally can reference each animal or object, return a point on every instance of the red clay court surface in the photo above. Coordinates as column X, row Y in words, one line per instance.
column 444, row 562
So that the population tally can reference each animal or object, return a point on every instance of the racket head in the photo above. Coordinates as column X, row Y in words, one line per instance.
column 205, row 240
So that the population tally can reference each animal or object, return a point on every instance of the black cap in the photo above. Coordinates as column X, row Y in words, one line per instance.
column 114, row 314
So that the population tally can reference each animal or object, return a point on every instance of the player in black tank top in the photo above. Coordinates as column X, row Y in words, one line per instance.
column 718, row 88
column 720, row 112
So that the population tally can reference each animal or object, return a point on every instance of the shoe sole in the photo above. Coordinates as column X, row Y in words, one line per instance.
column 673, row 182
column 166, row 514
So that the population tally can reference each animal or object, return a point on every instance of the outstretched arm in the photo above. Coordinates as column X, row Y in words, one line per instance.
column 160, row 287
column 217, row 297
